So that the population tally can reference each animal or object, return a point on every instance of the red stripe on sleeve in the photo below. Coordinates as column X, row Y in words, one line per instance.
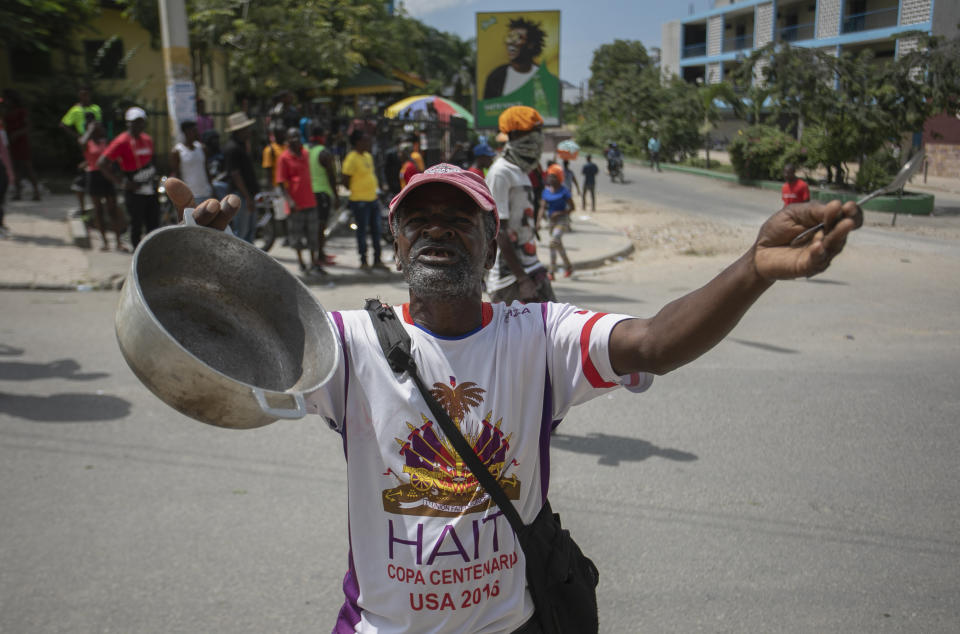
column 590, row 370
column 487, row 314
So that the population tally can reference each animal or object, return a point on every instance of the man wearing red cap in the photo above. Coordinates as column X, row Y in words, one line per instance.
column 517, row 272
column 128, row 164
column 429, row 550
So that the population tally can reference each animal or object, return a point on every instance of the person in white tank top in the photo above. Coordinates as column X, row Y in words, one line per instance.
column 188, row 162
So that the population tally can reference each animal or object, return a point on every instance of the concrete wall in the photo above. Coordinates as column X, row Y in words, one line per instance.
column 946, row 16
column 915, row 11
column 714, row 73
column 941, row 138
column 763, row 21
column 828, row 18
column 943, row 159
column 670, row 34
column 714, row 35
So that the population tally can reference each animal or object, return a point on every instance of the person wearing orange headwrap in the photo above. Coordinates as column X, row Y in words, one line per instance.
column 517, row 272
column 556, row 170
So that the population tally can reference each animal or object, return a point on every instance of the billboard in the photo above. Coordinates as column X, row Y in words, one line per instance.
column 518, row 64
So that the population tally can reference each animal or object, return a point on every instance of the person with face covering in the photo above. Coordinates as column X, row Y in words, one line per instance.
column 517, row 272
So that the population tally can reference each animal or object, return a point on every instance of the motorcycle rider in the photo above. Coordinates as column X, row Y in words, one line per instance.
column 614, row 159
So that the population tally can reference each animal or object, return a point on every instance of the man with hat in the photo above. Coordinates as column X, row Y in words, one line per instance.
column 241, row 175
column 483, row 156
column 429, row 550
column 132, row 150
column 517, row 272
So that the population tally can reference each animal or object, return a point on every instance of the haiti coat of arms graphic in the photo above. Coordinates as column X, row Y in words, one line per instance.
column 435, row 481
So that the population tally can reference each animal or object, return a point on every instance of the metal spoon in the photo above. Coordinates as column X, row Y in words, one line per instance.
column 902, row 177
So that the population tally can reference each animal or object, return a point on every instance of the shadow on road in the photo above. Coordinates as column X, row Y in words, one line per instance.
column 59, row 369
column 614, row 449
column 764, row 346
column 10, row 351
column 64, row 408
column 824, row 280
column 40, row 241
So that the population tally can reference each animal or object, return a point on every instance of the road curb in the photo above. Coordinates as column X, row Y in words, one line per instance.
column 78, row 231
column 913, row 203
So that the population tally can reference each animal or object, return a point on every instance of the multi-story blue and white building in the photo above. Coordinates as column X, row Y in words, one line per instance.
column 706, row 46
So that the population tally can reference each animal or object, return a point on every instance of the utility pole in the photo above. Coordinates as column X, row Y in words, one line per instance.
column 181, row 91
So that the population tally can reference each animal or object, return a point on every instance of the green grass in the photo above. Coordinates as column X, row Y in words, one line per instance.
column 715, row 166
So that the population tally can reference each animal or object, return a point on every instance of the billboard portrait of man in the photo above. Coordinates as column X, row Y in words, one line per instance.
column 524, row 44
column 518, row 64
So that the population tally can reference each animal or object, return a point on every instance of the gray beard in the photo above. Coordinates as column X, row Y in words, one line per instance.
column 447, row 282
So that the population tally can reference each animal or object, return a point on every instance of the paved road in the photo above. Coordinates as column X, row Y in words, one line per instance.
column 802, row 477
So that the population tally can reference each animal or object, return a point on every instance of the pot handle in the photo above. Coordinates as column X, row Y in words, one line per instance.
column 190, row 221
column 276, row 412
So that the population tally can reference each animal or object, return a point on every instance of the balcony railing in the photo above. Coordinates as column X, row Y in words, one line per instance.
column 695, row 50
column 878, row 19
column 737, row 43
column 796, row 33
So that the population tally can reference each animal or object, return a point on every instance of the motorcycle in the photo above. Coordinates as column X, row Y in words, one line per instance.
column 342, row 219
column 616, row 169
column 270, row 220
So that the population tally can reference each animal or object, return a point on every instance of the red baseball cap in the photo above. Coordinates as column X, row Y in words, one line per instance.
column 469, row 183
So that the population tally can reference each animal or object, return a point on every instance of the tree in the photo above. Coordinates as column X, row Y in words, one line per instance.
column 709, row 94
column 42, row 25
column 310, row 45
column 295, row 45
column 799, row 82
column 628, row 103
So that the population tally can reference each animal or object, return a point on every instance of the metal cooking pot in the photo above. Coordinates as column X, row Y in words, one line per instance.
column 220, row 331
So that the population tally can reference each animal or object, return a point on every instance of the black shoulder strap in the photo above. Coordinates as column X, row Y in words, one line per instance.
column 393, row 338
column 396, row 347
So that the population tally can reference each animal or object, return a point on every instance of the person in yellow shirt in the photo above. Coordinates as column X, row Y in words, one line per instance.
column 415, row 155
column 271, row 158
column 270, row 161
column 358, row 175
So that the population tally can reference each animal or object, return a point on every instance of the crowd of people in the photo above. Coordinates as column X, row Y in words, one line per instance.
column 301, row 168
column 428, row 550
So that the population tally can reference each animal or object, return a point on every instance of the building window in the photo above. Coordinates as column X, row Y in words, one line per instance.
column 104, row 58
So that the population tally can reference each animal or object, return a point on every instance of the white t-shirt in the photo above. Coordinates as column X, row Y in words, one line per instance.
column 426, row 552
column 193, row 169
column 516, row 206
column 516, row 79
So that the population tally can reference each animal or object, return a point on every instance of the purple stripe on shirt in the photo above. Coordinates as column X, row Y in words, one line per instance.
column 349, row 615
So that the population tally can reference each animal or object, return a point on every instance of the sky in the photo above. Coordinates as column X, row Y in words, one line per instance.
column 584, row 24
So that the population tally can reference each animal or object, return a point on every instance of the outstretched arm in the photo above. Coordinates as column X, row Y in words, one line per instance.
column 687, row 327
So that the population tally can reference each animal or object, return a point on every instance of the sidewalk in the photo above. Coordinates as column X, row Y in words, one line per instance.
column 46, row 251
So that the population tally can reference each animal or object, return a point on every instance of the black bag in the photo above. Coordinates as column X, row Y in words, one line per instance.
column 562, row 580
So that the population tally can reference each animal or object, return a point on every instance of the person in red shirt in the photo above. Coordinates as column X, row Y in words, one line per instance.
column 408, row 167
column 795, row 189
column 133, row 152
column 303, row 223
